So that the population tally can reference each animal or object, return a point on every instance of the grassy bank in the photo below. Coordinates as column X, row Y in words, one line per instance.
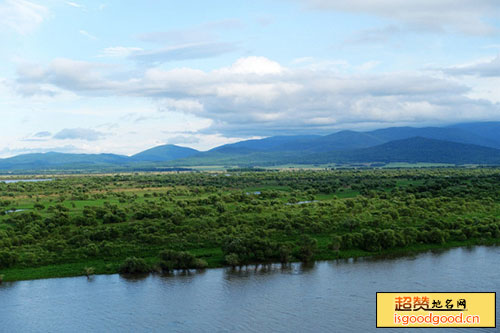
column 215, row 259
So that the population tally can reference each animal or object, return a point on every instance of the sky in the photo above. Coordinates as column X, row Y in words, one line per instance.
column 121, row 76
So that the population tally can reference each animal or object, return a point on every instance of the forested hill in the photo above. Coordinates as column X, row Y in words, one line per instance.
column 415, row 150
column 163, row 153
column 54, row 160
column 471, row 143
column 412, row 150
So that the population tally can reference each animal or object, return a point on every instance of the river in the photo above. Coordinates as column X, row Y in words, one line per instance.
column 330, row 296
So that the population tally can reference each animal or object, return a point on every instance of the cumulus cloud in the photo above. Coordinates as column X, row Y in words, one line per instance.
column 78, row 134
column 258, row 96
column 464, row 16
column 22, row 16
column 488, row 68
column 68, row 74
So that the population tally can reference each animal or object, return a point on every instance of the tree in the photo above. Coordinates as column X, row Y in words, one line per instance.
column 307, row 248
column 170, row 260
column 133, row 265
column 285, row 250
column 335, row 244
column 232, row 260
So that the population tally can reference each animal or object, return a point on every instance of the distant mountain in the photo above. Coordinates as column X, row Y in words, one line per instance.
column 54, row 160
column 487, row 130
column 63, row 161
column 468, row 143
column 163, row 153
column 270, row 144
column 413, row 150
column 347, row 140
column 454, row 134
column 344, row 140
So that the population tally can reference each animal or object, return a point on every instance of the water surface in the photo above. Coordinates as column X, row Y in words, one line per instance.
column 33, row 180
column 330, row 296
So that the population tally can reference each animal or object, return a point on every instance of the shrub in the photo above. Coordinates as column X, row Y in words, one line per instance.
column 8, row 258
column 134, row 265
column 307, row 248
column 232, row 259
column 88, row 271
column 170, row 260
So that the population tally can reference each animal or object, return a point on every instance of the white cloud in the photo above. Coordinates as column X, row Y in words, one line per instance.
column 87, row 34
column 183, row 52
column 67, row 74
column 42, row 134
column 203, row 33
column 119, row 51
column 483, row 68
column 78, row 134
column 22, row 16
column 464, row 16
column 374, row 35
column 13, row 151
column 183, row 139
column 366, row 66
column 257, row 96
column 74, row 4
column 254, row 65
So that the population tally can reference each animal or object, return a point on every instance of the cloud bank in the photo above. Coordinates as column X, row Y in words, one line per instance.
column 482, row 69
column 258, row 96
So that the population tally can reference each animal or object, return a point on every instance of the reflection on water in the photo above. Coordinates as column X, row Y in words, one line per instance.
column 327, row 296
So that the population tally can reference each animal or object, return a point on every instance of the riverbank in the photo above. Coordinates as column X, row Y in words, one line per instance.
column 215, row 259
column 296, row 298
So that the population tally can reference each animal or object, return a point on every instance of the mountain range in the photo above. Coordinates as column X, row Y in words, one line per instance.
column 465, row 143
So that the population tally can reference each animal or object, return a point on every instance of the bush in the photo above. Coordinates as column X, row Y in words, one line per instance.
column 88, row 271
column 335, row 244
column 285, row 251
column 8, row 258
column 170, row 260
column 133, row 265
column 232, row 259
column 307, row 248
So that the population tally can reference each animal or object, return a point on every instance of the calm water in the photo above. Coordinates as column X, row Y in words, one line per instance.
column 321, row 298
column 34, row 180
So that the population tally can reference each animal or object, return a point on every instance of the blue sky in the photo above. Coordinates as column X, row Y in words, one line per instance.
column 123, row 76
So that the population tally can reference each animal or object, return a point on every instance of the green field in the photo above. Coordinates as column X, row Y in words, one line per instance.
column 76, row 224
